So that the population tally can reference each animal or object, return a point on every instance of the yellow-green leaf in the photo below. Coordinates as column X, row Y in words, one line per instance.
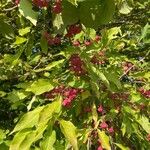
column 104, row 140
column 40, row 86
column 69, row 131
column 25, row 8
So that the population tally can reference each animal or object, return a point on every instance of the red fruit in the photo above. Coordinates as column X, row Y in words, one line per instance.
column 103, row 125
column 100, row 109
column 41, row 3
column 87, row 109
column 57, row 40
column 100, row 148
column 73, row 30
column 76, row 65
column 148, row 137
column 57, row 8
column 147, row 94
column 46, row 35
column 101, row 53
column 87, row 43
column 97, row 38
column 94, row 60
column 17, row 2
column 142, row 106
column 111, row 130
column 76, row 43
column 66, row 102
column 49, row 95
column 50, row 41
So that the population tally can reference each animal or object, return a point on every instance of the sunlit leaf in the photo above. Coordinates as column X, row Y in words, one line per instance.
column 69, row 131
column 104, row 140
column 40, row 86
column 25, row 8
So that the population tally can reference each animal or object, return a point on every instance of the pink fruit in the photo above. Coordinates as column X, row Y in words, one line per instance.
column 76, row 43
column 97, row 38
column 57, row 8
column 87, row 43
column 100, row 109
column 100, row 148
column 103, row 125
column 111, row 130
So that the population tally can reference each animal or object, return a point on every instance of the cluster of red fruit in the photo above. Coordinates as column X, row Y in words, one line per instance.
column 127, row 65
column 73, row 30
column 52, row 40
column 104, row 126
column 41, row 3
column 95, row 59
column 69, row 94
column 86, row 42
column 119, row 96
column 145, row 93
column 77, row 65
column 57, row 7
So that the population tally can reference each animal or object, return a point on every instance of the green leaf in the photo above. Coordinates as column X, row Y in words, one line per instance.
column 145, row 33
column 98, row 12
column 135, row 97
column 144, row 122
column 40, row 86
column 28, row 120
column 50, row 110
column 91, row 33
column 94, row 113
column 24, row 31
column 78, row 83
column 3, row 146
column 27, row 141
column 111, row 33
column 112, row 77
column 2, row 135
column 32, row 137
column 51, row 65
column 58, row 24
column 39, row 118
column 48, row 141
column 29, row 46
column 19, row 137
column 25, row 8
column 6, row 29
column 125, row 8
column 31, row 102
column 44, row 44
column 69, row 13
column 20, row 40
column 17, row 95
column 2, row 93
column 122, row 147
column 104, row 140
column 100, row 75
column 85, row 95
column 74, row 2
column 69, row 131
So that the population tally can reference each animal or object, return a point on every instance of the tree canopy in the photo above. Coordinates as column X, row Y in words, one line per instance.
column 74, row 74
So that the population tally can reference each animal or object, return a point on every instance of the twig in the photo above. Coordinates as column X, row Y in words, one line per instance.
column 37, row 65
column 9, row 9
